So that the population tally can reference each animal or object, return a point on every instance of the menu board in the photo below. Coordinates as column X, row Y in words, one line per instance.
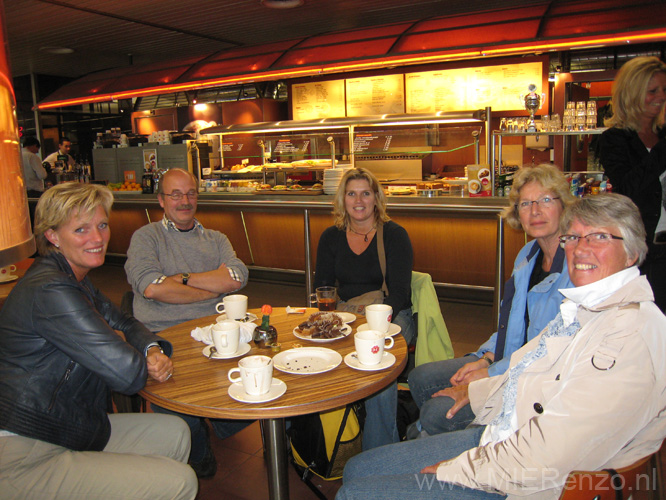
column 371, row 142
column 503, row 87
column 318, row 100
column 375, row 95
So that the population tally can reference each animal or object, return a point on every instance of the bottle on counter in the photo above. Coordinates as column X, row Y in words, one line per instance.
column 86, row 171
column 147, row 183
column 265, row 335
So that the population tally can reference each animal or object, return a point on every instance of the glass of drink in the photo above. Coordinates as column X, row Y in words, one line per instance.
column 326, row 298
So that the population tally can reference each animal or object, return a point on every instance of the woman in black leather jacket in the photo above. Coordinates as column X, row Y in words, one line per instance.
column 633, row 154
column 63, row 347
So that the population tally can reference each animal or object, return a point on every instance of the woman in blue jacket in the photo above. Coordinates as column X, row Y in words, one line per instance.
column 531, row 299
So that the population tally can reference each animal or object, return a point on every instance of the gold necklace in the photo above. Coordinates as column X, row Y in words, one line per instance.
column 365, row 236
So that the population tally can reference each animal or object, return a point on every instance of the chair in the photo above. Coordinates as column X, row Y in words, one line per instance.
column 128, row 403
column 609, row 484
column 433, row 341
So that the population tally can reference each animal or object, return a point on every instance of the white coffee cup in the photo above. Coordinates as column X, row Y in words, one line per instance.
column 370, row 345
column 378, row 317
column 235, row 306
column 225, row 336
column 256, row 374
column 6, row 272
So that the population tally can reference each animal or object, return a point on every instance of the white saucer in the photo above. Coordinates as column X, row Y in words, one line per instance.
column 242, row 350
column 352, row 362
column 248, row 317
column 9, row 278
column 278, row 388
column 393, row 329
column 346, row 317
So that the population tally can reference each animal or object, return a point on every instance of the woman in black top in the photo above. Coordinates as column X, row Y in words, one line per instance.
column 633, row 154
column 347, row 254
column 347, row 258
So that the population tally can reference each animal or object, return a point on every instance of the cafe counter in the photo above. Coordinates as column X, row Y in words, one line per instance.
column 461, row 242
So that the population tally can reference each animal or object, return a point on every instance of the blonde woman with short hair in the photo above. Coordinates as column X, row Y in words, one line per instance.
column 61, row 355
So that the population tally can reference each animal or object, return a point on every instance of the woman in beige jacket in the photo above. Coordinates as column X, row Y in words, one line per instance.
column 587, row 393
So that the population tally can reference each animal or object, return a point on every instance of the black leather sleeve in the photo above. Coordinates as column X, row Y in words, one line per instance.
column 82, row 327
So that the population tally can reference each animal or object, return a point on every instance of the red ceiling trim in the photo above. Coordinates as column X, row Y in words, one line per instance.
column 409, row 44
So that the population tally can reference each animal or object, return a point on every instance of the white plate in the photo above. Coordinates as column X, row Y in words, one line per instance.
column 393, row 329
column 278, row 388
column 248, row 317
column 346, row 317
column 307, row 360
column 346, row 330
column 242, row 350
column 352, row 362
column 9, row 278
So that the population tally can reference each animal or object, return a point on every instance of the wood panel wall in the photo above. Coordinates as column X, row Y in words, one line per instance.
column 455, row 249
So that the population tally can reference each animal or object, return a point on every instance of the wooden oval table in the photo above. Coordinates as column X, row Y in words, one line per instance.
column 199, row 385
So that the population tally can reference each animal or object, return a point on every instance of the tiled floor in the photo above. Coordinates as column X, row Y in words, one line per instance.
column 241, row 473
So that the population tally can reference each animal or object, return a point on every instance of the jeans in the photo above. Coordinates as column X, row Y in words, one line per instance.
column 405, row 320
column 392, row 472
column 380, row 425
column 223, row 429
column 427, row 379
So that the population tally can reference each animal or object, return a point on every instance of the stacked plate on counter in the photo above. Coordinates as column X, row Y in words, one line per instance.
column 332, row 178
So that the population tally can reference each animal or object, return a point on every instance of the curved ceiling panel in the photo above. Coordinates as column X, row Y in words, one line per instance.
column 545, row 26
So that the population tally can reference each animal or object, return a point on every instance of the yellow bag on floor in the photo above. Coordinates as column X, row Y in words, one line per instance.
column 322, row 443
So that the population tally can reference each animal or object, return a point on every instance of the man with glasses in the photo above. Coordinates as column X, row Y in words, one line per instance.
column 179, row 271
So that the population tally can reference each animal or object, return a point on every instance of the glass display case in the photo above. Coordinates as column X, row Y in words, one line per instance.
column 565, row 136
column 397, row 148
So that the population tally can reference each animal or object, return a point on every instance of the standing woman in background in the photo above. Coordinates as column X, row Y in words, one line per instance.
column 633, row 154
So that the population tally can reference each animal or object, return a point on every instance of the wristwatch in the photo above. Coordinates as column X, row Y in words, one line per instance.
column 185, row 276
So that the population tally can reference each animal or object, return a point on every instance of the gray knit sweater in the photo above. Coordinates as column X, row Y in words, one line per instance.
column 156, row 251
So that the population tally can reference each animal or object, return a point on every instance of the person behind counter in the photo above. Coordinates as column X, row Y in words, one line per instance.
column 33, row 171
column 347, row 257
column 531, row 299
column 587, row 393
column 62, row 155
column 63, row 348
column 633, row 154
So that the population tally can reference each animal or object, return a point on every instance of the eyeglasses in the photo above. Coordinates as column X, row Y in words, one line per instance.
column 177, row 195
column 545, row 202
column 593, row 239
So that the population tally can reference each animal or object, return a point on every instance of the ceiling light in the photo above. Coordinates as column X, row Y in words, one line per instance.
column 281, row 4
column 57, row 50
